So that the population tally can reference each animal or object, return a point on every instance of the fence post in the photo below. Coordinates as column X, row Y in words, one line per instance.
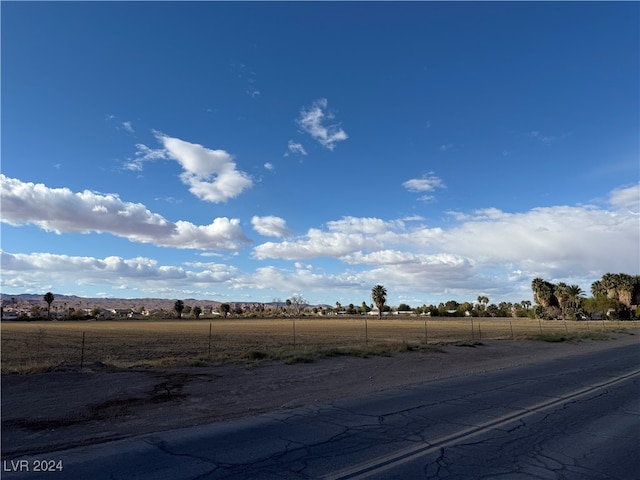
column 473, row 333
column 294, row 332
column 210, row 325
column 366, row 330
column 540, row 323
column 426, row 336
column 511, row 325
column 82, row 352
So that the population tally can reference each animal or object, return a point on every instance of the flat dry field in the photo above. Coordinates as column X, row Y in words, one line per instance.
column 31, row 346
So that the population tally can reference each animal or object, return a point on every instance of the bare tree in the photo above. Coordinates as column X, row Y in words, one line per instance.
column 298, row 304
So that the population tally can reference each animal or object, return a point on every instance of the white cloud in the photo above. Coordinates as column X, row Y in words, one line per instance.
column 312, row 121
column 269, row 166
column 128, row 127
column 295, row 147
column 145, row 154
column 627, row 198
column 365, row 225
column 63, row 211
column 426, row 183
column 210, row 174
column 270, row 226
column 482, row 249
column 544, row 139
column 32, row 270
column 316, row 244
column 445, row 147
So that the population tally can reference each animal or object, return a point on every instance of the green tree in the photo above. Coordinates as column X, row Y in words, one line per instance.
column 224, row 309
column 379, row 297
column 575, row 295
column 197, row 311
column 622, row 287
column 483, row 301
column 560, row 291
column 364, row 308
column 48, row 297
column 543, row 293
column 451, row 307
column 178, row 307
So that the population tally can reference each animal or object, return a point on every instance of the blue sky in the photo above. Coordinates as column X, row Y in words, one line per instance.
column 252, row 151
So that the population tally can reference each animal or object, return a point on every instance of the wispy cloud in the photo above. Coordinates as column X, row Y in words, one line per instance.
column 62, row 211
column 312, row 120
column 295, row 147
column 128, row 127
column 426, row 183
column 545, row 139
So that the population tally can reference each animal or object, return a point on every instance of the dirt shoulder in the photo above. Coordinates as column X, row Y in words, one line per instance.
column 62, row 409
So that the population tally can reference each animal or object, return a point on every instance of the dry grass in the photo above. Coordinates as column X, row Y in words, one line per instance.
column 37, row 346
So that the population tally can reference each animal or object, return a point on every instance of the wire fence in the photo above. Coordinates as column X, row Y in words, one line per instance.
column 32, row 345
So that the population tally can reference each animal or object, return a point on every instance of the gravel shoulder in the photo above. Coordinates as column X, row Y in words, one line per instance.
column 63, row 409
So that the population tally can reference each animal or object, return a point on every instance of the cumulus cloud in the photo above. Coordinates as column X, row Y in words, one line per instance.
column 627, row 198
column 210, row 174
column 270, row 226
column 316, row 244
column 312, row 120
column 33, row 269
column 484, row 247
column 62, row 211
column 344, row 236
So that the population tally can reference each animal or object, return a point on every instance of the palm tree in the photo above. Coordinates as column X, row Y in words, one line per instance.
column 543, row 293
column 598, row 290
column 560, row 292
column 575, row 295
column 610, row 282
column 626, row 286
column 484, row 301
column 379, row 297
column 48, row 297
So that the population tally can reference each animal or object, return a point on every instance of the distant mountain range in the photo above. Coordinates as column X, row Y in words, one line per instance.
column 27, row 300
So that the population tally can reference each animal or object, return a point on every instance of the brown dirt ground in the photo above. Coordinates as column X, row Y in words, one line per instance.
column 62, row 409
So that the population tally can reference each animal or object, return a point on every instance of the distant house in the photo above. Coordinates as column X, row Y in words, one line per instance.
column 9, row 315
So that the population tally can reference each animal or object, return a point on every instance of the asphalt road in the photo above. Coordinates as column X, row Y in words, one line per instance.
column 575, row 418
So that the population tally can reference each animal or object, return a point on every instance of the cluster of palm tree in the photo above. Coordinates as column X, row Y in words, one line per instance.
column 616, row 292
column 618, row 286
column 559, row 298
